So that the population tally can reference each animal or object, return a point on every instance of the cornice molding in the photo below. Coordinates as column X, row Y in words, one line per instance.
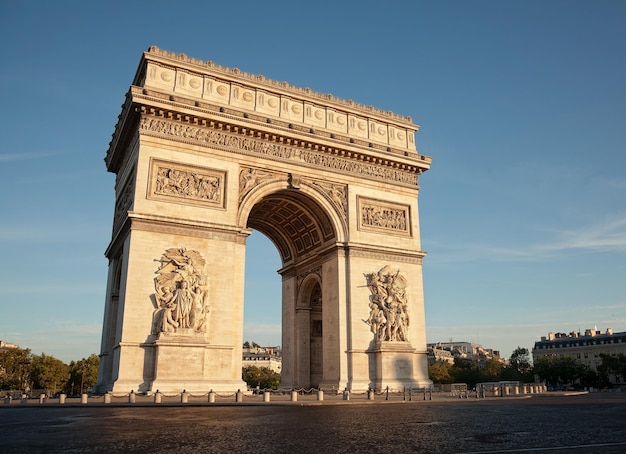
column 176, row 226
column 385, row 254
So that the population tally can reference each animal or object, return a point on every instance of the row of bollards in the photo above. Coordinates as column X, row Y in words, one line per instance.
column 506, row 389
column 409, row 394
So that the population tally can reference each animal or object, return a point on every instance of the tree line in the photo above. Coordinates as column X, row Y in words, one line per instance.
column 21, row 370
column 554, row 371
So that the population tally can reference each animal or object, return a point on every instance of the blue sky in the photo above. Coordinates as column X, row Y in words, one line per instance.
column 522, row 106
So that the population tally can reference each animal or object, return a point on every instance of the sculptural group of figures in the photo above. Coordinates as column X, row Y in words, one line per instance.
column 181, row 293
column 389, row 318
column 187, row 184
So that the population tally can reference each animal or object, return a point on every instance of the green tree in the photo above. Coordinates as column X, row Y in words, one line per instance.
column 440, row 373
column 519, row 367
column 49, row 373
column 465, row 371
column 15, row 368
column 491, row 370
column 263, row 377
column 560, row 370
column 83, row 375
column 613, row 364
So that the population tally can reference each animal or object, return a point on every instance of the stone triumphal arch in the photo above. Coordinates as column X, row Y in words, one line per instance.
column 203, row 155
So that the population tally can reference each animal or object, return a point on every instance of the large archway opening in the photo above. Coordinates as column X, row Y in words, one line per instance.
column 300, row 230
column 262, row 292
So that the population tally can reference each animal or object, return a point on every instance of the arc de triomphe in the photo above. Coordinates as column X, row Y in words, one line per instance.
column 203, row 155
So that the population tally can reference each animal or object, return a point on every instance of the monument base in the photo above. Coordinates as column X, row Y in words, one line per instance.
column 185, row 361
column 396, row 367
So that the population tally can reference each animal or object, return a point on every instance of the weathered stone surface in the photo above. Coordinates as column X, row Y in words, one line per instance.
column 204, row 154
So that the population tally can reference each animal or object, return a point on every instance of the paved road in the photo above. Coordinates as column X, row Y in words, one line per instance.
column 592, row 423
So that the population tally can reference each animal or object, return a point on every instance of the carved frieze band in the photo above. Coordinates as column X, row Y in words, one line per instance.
column 252, row 146
column 186, row 184
column 384, row 217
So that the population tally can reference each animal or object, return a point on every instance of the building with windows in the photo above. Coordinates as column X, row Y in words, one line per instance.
column 447, row 351
column 269, row 357
column 585, row 348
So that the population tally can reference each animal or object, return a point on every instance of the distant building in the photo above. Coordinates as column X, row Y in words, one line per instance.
column 447, row 351
column 585, row 348
column 7, row 346
column 270, row 357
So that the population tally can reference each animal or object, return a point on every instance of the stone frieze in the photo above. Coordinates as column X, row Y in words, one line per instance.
column 250, row 145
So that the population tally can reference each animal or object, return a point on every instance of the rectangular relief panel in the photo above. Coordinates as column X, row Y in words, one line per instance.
column 192, row 185
column 384, row 217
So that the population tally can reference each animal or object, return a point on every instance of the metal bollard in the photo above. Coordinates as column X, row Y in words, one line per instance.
column 294, row 396
column 184, row 397
column 158, row 397
column 211, row 397
column 320, row 394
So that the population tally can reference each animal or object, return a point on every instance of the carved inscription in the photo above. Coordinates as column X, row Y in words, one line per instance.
column 246, row 144
column 181, row 293
column 377, row 215
column 195, row 185
column 389, row 317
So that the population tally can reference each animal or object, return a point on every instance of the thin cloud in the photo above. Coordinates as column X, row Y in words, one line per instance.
column 604, row 236
column 69, row 329
column 72, row 288
column 27, row 156
column 608, row 236
column 51, row 233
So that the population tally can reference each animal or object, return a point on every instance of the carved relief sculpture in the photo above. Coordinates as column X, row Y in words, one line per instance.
column 389, row 318
column 181, row 293
column 337, row 193
column 386, row 218
column 250, row 178
column 381, row 216
column 195, row 185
